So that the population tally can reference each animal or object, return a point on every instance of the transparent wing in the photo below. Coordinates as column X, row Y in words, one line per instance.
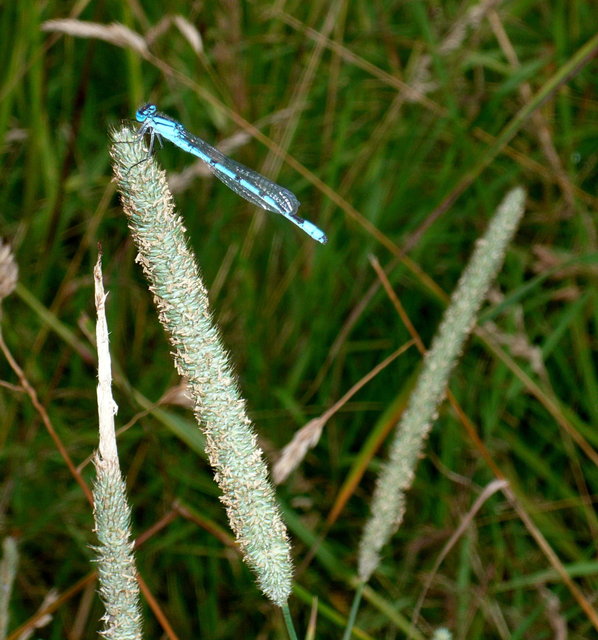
column 250, row 184
column 246, row 182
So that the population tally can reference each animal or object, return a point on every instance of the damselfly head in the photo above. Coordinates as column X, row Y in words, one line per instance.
column 147, row 111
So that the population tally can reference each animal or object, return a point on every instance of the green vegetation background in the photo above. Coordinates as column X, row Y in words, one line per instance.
column 305, row 322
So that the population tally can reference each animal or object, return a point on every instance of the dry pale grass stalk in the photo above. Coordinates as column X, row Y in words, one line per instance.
column 115, row 33
column 309, row 435
column 116, row 563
